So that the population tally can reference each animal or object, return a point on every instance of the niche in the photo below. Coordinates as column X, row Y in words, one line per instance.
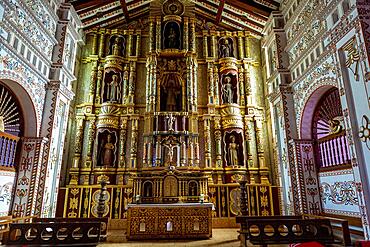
column 117, row 45
column 112, row 89
column 172, row 35
column 229, row 88
column 107, row 143
column 225, row 47
column 233, row 143
column 147, row 189
column 193, row 188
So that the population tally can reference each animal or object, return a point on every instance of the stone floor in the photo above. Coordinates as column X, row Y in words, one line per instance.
column 227, row 237
column 220, row 237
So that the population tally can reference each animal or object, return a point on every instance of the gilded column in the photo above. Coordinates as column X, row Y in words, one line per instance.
column 195, row 84
column 205, row 44
column 207, row 143
column 153, row 83
column 122, row 142
column 240, row 45
column 189, row 76
column 94, row 47
column 247, row 85
column 158, row 34
column 125, row 86
column 129, row 45
column 217, row 90
column 158, row 151
column 192, row 33
column 101, row 42
column 186, row 34
column 252, row 143
column 151, row 34
column 148, row 86
column 138, row 43
column 93, row 80
column 211, row 86
column 218, row 138
column 98, row 84
column 183, row 151
column 78, row 140
column 214, row 44
column 241, row 86
column 90, row 141
column 131, row 83
column 134, row 140
column 247, row 45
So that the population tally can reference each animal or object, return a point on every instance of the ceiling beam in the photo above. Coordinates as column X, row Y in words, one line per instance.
column 125, row 9
column 219, row 11
column 82, row 4
column 248, row 7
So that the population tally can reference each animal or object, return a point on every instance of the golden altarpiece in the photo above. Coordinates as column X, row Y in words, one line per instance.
column 169, row 109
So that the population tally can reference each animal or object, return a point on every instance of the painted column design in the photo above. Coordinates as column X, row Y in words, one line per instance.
column 241, row 86
column 26, row 188
column 214, row 45
column 93, row 79
column 129, row 45
column 216, row 83
column 131, row 83
column 94, row 47
column 218, row 138
column 78, row 141
column 138, row 43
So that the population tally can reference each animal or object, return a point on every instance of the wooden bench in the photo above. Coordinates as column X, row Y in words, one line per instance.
column 346, row 234
column 264, row 230
column 52, row 232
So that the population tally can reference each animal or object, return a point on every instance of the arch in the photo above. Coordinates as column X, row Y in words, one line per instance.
column 27, row 107
column 147, row 189
column 309, row 109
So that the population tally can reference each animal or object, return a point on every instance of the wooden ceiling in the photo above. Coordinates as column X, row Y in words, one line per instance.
column 248, row 15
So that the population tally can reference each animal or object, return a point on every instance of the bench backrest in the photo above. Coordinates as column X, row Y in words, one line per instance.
column 288, row 230
column 54, row 233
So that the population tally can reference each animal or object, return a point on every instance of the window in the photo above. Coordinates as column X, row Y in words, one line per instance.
column 15, row 44
column 22, row 49
column 34, row 60
column 28, row 55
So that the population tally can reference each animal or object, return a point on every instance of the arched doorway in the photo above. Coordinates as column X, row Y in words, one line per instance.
column 11, row 129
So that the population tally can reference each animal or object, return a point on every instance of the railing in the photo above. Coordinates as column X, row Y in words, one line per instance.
column 333, row 150
column 8, row 147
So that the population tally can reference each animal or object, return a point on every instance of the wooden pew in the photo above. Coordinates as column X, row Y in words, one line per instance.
column 264, row 230
column 51, row 232
column 346, row 234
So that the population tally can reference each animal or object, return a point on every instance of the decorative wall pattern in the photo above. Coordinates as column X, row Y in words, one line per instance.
column 339, row 193
column 6, row 189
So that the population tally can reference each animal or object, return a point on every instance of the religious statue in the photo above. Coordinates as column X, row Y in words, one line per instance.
column 113, row 91
column 172, row 94
column 172, row 38
column 116, row 47
column 170, row 121
column 225, row 49
column 170, row 148
column 107, row 156
column 233, row 152
column 227, row 90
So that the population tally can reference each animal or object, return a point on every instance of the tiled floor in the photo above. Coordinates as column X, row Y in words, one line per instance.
column 220, row 237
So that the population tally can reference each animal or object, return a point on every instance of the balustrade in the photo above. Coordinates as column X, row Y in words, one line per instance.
column 8, row 147
column 333, row 150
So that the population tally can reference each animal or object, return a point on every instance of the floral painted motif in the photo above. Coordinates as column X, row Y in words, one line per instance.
column 364, row 132
column 340, row 193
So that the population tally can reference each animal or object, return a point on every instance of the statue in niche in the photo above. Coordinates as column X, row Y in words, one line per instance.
column 227, row 89
column 172, row 94
column 107, row 152
column 226, row 48
column 113, row 89
column 172, row 36
column 117, row 46
column 233, row 152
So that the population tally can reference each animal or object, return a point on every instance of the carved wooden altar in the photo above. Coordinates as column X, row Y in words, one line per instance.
column 159, row 221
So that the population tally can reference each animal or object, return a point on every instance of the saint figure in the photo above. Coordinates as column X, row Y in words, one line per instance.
column 227, row 89
column 172, row 36
column 233, row 152
column 116, row 48
column 107, row 157
column 113, row 89
column 225, row 49
column 170, row 121
column 172, row 94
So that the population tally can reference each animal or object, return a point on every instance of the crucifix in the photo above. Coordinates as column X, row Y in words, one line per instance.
column 170, row 147
column 170, row 120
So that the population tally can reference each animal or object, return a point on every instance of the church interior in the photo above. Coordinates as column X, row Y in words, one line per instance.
column 164, row 120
